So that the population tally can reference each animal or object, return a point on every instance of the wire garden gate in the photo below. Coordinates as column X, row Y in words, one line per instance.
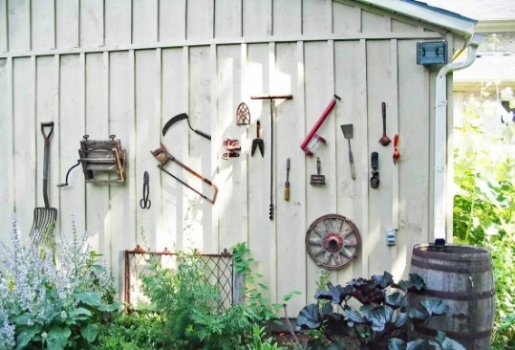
column 219, row 270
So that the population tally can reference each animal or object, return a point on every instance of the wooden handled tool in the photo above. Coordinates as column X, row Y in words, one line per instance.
column 287, row 183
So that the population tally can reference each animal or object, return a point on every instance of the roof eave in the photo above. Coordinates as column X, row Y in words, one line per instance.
column 457, row 24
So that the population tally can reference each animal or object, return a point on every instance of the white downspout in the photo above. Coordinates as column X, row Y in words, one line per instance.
column 440, row 140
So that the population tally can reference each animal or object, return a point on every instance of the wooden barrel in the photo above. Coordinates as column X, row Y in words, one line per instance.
column 462, row 276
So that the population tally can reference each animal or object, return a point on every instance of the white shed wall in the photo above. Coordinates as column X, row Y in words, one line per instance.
column 126, row 67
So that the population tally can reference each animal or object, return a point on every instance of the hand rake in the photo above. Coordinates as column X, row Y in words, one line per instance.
column 45, row 218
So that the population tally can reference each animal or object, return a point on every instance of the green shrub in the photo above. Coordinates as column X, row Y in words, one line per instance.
column 133, row 331
column 192, row 308
column 53, row 299
column 484, row 203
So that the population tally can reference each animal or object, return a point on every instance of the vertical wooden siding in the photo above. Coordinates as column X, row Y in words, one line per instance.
column 126, row 67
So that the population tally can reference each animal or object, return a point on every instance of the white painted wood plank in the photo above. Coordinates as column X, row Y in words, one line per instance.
column 261, row 241
column 25, row 162
column 320, row 200
column 4, row 26
column 118, row 22
column 176, row 138
column 146, row 134
column 67, row 23
column 199, row 211
column 400, row 26
column 380, row 85
column 350, row 85
column 200, row 19
column 97, row 127
column 71, row 121
column 373, row 22
column 346, row 18
column 172, row 25
column 228, row 17
column 46, row 92
column 19, row 25
column 231, row 208
column 43, row 24
column 414, row 170
column 123, row 198
column 287, row 17
column 257, row 18
column 6, row 144
column 314, row 17
column 145, row 21
column 290, row 218
column 92, row 23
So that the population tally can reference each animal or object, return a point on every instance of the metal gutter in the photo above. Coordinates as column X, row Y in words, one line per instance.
column 440, row 150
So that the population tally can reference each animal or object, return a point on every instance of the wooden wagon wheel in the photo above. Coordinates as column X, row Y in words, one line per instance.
column 333, row 241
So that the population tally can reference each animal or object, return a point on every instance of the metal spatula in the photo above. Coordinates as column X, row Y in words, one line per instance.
column 348, row 133
column 45, row 218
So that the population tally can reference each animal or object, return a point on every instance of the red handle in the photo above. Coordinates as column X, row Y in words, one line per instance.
column 320, row 121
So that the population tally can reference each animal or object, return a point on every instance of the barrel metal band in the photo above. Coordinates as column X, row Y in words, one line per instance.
column 459, row 296
column 455, row 335
column 449, row 268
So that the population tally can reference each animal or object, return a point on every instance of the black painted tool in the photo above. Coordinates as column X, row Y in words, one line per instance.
column 180, row 117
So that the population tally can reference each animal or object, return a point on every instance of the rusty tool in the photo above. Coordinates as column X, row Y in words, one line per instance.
column 287, row 183
column 242, row 114
column 45, row 218
column 258, row 141
column 271, row 99
column 348, row 133
column 183, row 116
column 318, row 179
column 384, row 140
column 396, row 153
column 163, row 157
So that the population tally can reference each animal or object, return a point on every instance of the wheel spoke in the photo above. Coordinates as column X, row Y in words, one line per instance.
column 315, row 241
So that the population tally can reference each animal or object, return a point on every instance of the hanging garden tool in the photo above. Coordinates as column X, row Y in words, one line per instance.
column 258, row 141
column 163, row 157
column 287, row 183
column 45, row 218
column 396, row 153
column 317, row 179
column 313, row 141
column 271, row 99
column 103, row 161
column 233, row 148
column 180, row 117
column 348, row 133
column 374, row 160
column 384, row 140
column 243, row 114
column 145, row 203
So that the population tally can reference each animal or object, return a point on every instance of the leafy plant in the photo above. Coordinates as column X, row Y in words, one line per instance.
column 259, row 342
column 52, row 299
column 192, row 308
column 384, row 318
column 484, row 204
column 258, row 304
column 133, row 331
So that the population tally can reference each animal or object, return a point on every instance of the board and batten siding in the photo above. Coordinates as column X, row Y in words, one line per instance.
column 126, row 67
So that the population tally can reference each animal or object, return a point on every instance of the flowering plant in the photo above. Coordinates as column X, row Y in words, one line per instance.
column 52, row 298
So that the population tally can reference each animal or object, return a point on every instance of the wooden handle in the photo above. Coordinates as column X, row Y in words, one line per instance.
column 272, row 97
column 287, row 192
